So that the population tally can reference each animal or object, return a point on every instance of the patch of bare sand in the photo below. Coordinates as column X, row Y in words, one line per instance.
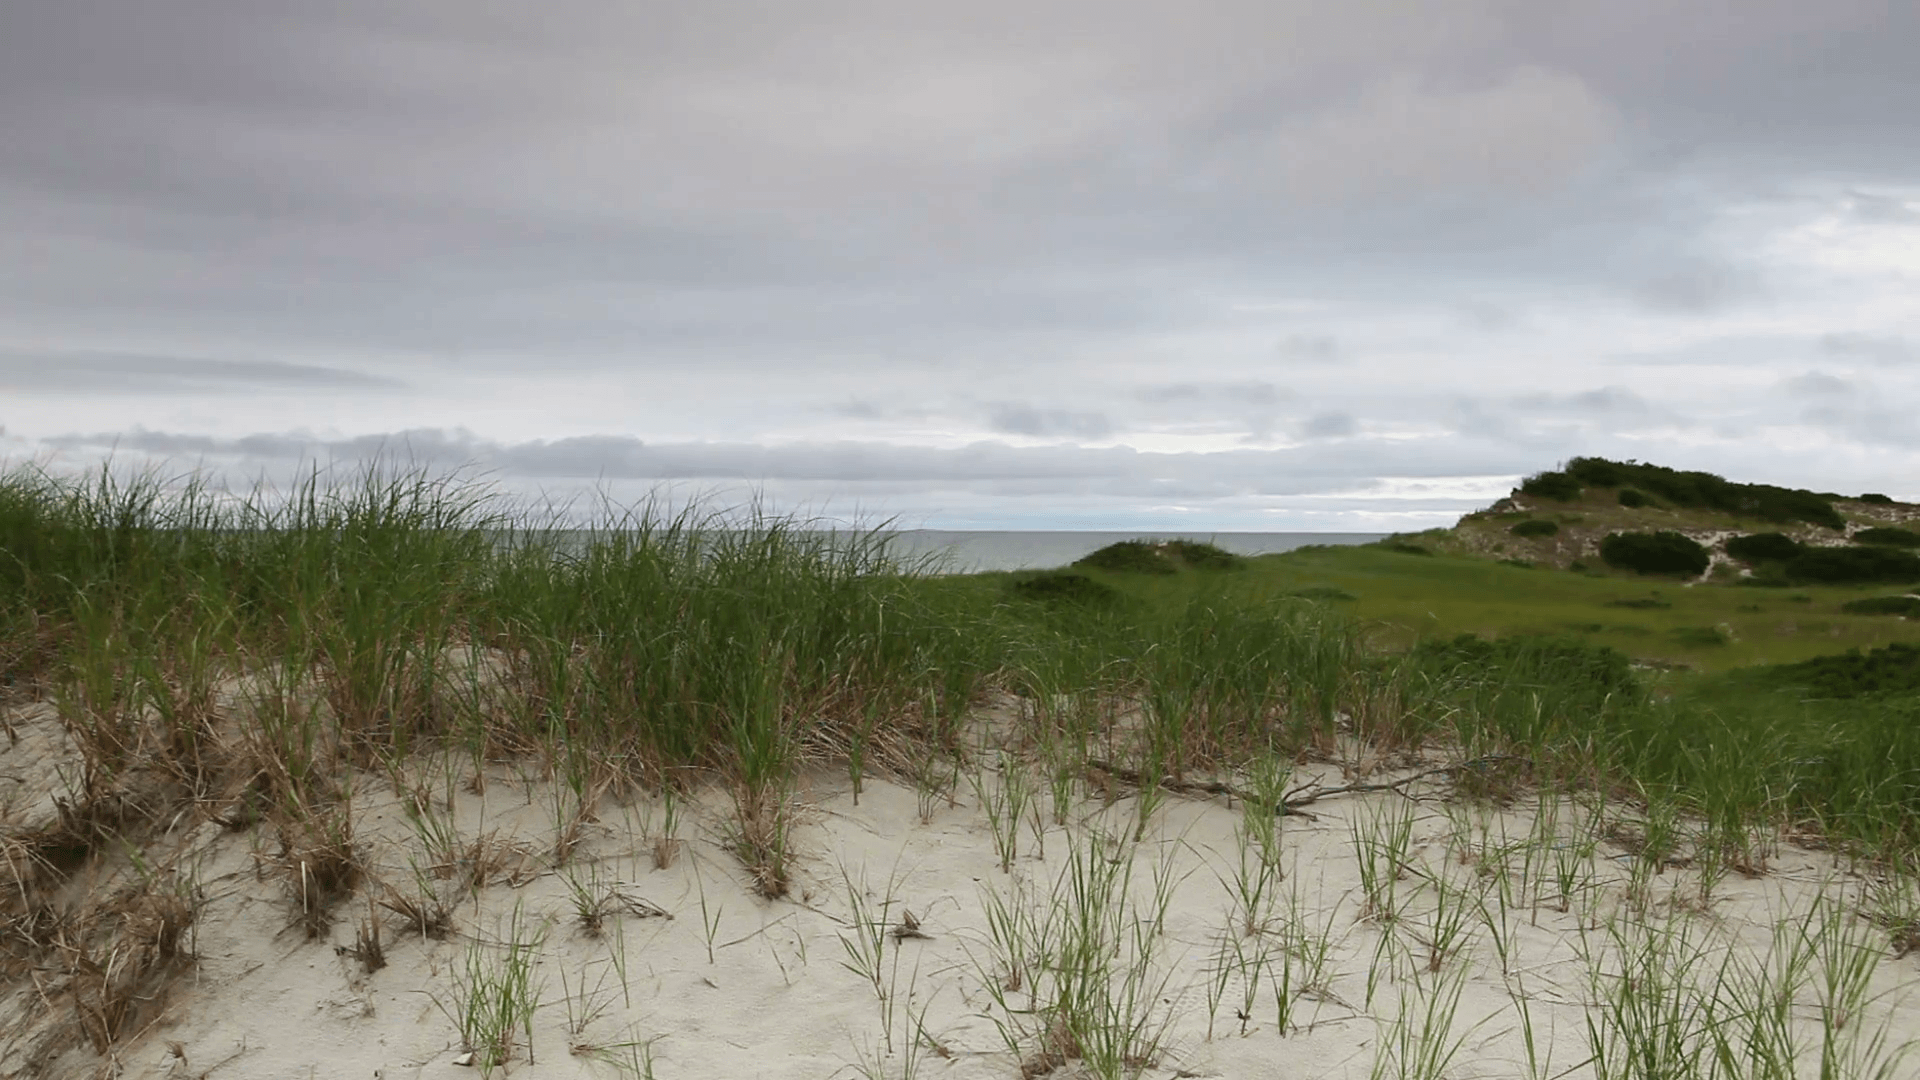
column 1451, row 934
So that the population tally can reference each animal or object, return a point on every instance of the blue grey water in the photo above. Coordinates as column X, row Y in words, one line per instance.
column 964, row 552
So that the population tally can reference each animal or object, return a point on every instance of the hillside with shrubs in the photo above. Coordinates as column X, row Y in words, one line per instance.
column 1627, row 517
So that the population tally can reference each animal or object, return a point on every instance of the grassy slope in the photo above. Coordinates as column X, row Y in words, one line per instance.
column 1407, row 598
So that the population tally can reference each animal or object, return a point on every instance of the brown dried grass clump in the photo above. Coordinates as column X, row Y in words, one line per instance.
column 321, row 864
column 424, row 912
column 115, row 961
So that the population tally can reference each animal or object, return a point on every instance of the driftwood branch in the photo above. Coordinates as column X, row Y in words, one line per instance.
column 1295, row 801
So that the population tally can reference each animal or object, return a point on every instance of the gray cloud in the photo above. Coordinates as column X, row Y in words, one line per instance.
column 1329, row 425
column 1049, row 423
column 1257, row 393
column 1884, row 209
column 1696, row 288
column 856, row 409
column 1816, row 384
column 587, row 458
column 1311, row 348
column 93, row 373
column 1601, row 402
column 712, row 222
column 1880, row 349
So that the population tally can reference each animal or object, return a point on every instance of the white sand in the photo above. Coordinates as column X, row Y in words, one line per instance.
column 776, row 999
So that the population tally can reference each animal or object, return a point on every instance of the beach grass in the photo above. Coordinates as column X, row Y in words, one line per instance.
column 254, row 659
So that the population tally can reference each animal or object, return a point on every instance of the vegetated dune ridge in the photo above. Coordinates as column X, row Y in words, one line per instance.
column 336, row 784
column 1592, row 498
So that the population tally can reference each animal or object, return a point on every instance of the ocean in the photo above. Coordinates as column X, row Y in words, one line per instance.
column 970, row 551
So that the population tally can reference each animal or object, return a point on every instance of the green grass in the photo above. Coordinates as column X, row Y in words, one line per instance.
column 243, row 660
column 372, row 615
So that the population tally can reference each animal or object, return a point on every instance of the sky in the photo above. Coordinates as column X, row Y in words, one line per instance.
column 1265, row 265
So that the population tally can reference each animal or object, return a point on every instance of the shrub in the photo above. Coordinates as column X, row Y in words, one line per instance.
column 1523, row 564
column 1664, row 552
column 1883, row 605
column 1634, row 498
column 1876, row 497
column 1837, row 565
column 1887, row 536
column 1530, row 529
column 1557, row 486
column 1323, row 594
column 1892, row 668
column 1129, row 557
column 1763, row 547
column 1700, row 635
column 1404, row 547
column 1203, row 556
column 1064, row 587
column 1707, row 491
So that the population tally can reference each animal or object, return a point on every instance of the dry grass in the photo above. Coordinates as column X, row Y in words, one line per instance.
column 424, row 912
column 320, row 863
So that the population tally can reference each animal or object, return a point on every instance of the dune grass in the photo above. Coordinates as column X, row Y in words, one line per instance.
column 249, row 659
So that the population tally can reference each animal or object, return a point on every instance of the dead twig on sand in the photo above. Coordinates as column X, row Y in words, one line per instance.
column 1295, row 801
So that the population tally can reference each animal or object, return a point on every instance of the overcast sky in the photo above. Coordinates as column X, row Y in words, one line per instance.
column 1252, row 264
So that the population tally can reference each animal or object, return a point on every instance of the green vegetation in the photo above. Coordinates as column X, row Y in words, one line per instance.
column 1876, row 498
column 1129, row 557
column 1763, row 547
column 1864, row 565
column 1535, row 528
column 1063, row 587
column 1888, row 536
column 1884, row 605
column 247, row 661
column 1202, row 556
column 1324, row 594
column 1888, row 670
column 1685, row 489
column 1641, row 603
column 1557, row 486
column 1160, row 557
column 1634, row 498
column 1664, row 552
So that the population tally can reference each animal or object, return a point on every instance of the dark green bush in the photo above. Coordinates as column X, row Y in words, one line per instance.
column 1161, row 557
column 1707, row 491
column 1763, row 547
column 1883, row 605
column 1404, row 547
column 1876, row 497
column 1888, row 536
column 1530, row 529
column 1664, row 552
column 1129, row 557
column 1064, row 587
column 1557, row 486
column 1839, row 566
column 1634, row 498
column 1202, row 556
column 1324, row 594
column 1700, row 635
column 1647, row 603
column 1891, row 669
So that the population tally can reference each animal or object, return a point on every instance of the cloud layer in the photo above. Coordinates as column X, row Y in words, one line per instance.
column 1142, row 264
